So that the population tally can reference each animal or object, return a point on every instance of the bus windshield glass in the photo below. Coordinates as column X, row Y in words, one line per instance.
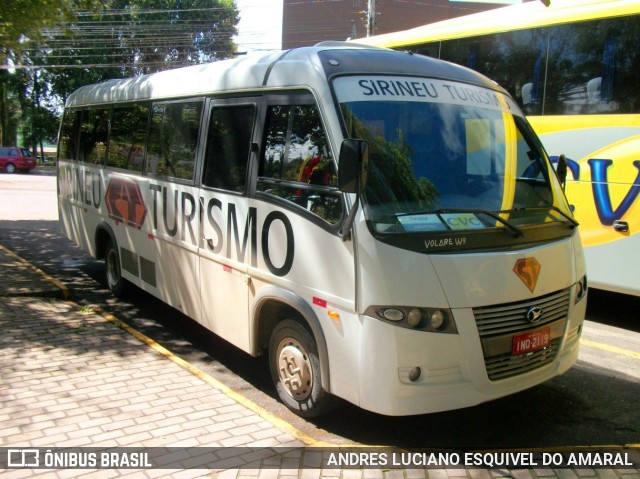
column 448, row 156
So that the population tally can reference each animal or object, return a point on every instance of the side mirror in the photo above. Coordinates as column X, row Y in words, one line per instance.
column 561, row 170
column 353, row 165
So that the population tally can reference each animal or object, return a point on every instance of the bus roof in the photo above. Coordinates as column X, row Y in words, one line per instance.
column 238, row 73
column 513, row 17
column 301, row 67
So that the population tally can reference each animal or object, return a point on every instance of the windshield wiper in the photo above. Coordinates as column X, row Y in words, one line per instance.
column 569, row 218
column 493, row 214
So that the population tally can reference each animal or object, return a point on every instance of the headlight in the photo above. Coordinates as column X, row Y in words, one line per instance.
column 434, row 320
column 437, row 319
column 414, row 318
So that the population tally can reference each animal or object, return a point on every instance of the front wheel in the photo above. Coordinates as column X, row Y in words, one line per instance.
column 295, row 370
column 115, row 281
column 10, row 168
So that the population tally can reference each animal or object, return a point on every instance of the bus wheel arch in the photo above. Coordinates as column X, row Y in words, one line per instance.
column 103, row 235
column 298, row 359
column 107, row 249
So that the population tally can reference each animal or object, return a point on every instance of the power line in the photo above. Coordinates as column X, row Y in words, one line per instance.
column 149, row 11
column 133, row 36
column 127, row 66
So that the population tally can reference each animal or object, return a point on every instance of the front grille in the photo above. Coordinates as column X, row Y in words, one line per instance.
column 497, row 325
column 508, row 365
column 512, row 318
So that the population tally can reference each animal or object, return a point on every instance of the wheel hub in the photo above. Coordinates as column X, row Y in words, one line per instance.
column 294, row 369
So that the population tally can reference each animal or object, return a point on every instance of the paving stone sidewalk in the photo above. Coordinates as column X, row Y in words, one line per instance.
column 71, row 378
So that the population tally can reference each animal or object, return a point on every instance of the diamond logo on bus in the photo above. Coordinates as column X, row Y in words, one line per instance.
column 125, row 202
column 528, row 270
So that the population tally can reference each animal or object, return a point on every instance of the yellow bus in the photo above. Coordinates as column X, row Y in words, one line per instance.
column 574, row 68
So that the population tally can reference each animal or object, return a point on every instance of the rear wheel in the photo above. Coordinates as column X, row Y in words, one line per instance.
column 10, row 168
column 115, row 281
column 295, row 370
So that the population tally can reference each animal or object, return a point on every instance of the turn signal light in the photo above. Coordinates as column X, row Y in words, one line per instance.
column 581, row 289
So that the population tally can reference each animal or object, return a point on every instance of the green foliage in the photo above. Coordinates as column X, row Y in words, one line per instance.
column 23, row 20
column 71, row 43
column 391, row 179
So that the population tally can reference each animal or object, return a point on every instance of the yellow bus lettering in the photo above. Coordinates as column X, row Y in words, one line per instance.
column 601, row 195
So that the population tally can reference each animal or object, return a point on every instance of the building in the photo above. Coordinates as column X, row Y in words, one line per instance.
column 307, row 22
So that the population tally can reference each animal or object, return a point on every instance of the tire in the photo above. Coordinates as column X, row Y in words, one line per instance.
column 10, row 168
column 295, row 370
column 113, row 272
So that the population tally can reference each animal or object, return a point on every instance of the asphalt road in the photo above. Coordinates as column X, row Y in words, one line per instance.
column 595, row 403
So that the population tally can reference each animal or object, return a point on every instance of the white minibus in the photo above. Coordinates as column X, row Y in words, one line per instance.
column 385, row 226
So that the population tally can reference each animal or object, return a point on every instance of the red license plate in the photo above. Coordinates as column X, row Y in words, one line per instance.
column 523, row 343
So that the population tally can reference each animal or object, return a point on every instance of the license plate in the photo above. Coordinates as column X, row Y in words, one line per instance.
column 524, row 343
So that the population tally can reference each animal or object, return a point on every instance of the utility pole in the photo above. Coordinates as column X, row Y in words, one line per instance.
column 371, row 18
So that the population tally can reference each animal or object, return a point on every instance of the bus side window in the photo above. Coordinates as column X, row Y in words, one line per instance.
column 127, row 137
column 228, row 143
column 94, row 132
column 69, row 135
column 173, row 139
column 296, row 164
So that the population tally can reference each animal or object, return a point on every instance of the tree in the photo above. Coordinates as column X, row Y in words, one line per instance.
column 134, row 37
column 74, row 43
column 22, row 24
column 10, row 95
column 22, row 20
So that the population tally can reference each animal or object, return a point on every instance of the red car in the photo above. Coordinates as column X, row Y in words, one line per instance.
column 13, row 158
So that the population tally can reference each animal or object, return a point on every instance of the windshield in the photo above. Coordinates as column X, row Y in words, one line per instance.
column 445, row 156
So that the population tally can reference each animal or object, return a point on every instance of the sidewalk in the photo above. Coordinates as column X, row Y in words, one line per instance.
column 73, row 377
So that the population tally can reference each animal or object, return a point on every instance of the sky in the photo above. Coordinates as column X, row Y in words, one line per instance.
column 260, row 26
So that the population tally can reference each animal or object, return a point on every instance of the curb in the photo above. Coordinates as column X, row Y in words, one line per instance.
column 49, row 286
